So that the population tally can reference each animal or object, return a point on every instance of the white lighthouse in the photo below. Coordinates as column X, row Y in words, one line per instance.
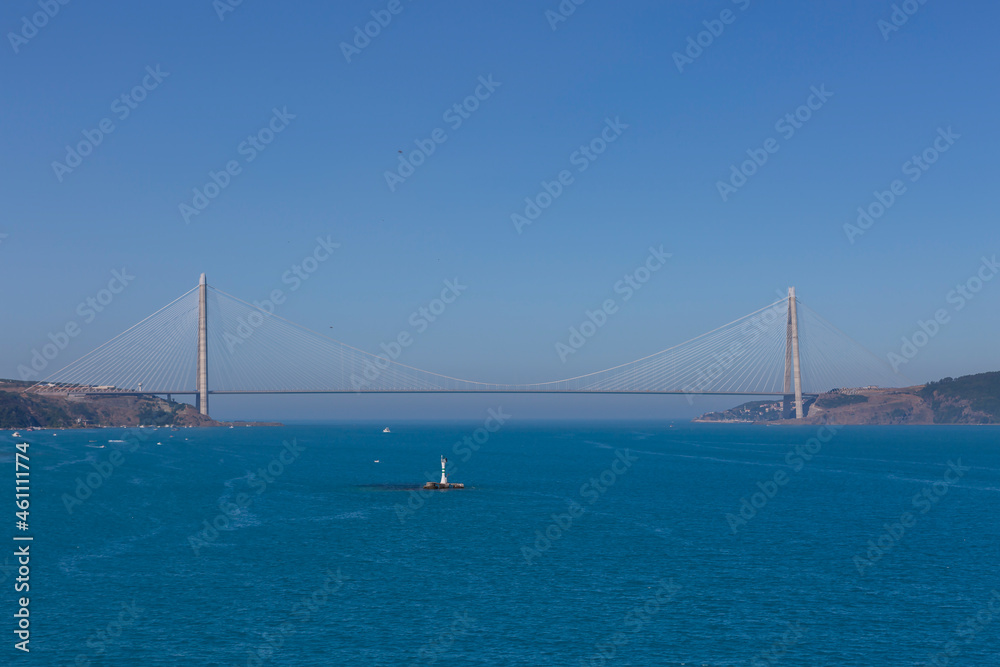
column 444, row 483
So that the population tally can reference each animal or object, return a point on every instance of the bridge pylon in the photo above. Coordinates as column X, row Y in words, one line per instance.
column 793, row 371
column 201, row 400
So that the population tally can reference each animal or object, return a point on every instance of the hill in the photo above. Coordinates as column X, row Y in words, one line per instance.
column 19, row 410
column 972, row 399
column 956, row 401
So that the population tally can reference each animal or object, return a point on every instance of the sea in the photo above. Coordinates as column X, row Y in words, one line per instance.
column 579, row 544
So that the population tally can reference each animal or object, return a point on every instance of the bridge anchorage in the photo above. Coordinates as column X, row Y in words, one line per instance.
column 782, row 350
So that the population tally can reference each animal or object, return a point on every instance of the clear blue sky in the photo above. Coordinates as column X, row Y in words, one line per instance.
column 323, row 175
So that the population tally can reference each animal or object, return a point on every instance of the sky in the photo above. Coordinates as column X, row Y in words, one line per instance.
column 308, row 115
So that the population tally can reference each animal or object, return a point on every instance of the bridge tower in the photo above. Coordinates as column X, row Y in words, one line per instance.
column 793, row 372
column 201, row 400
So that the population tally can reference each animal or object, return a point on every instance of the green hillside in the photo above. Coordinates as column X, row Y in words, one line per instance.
column 952, row 399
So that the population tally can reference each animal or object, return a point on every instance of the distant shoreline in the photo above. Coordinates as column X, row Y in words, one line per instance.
column 796, row 422
column 20, row 410
column 971, row 400
column 91, row 427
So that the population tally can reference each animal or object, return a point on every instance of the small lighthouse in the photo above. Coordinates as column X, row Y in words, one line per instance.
column 444, row 483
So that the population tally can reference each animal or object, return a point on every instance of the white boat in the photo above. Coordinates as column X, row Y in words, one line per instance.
column 386, row 430
column 16, row 435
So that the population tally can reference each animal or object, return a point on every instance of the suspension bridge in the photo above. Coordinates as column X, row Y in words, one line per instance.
column 782, row 350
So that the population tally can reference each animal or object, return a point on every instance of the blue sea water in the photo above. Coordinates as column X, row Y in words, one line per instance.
column 572, row 544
